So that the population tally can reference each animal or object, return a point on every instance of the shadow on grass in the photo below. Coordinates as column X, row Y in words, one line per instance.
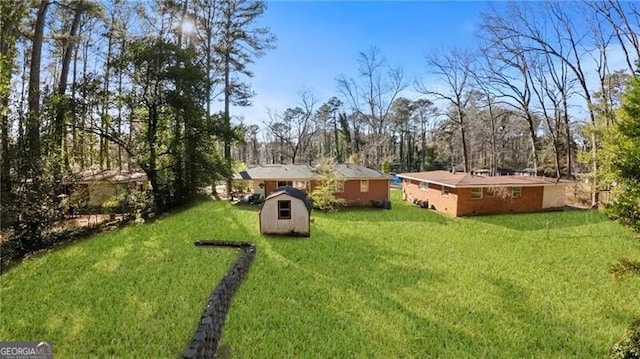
column 542, row 220
column 543, row 334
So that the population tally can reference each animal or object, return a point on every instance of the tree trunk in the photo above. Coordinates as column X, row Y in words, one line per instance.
column 227, row 121
column 152, row 170
column 32, row 154
column 533, row 140
column 8, row 36
column 59, row 127
column 465, row 151
column 103, row 149
column 567, row 129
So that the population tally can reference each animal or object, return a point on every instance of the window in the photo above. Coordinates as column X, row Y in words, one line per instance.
column 445, row 191
column 284, row 209
column 491, row 193
column 285, row 183
column 423, row 186
column 516, row 192
column 476, row 193
column 364, row 186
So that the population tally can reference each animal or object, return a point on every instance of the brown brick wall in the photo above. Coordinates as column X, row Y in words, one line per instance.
column 530, row 201
column 447, row 204
column 378, row 190
column 460, row 203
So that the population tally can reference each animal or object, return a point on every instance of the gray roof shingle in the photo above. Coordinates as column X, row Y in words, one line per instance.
column 306, row 172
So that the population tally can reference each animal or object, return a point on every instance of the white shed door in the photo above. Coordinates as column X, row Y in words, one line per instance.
column 553, row 197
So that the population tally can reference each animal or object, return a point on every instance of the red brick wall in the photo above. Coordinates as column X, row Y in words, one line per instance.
column 437, row 200
column 378, row 190
column 530, row 201
column 460, row 203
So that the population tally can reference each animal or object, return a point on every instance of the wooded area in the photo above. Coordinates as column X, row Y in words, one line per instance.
column 150, row 86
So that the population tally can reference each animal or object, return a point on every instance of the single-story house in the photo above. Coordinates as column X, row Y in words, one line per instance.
column 462, row 194
column 286, row 211
column 361, row 185
column 99, row 185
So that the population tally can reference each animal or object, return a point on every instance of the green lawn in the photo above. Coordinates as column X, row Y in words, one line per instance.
column 136, row 292
column 367, row 283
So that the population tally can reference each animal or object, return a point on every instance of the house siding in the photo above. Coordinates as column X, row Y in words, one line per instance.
column 378, row 190
column 460, row 203
column 437, row 201
column 298, row 224
column 531, row 201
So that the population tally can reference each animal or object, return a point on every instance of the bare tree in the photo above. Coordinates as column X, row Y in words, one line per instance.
column 295, row 127
column 614, row 14
column 371, row 96
column 424, row 116
column 454, row 68
column 522, row 22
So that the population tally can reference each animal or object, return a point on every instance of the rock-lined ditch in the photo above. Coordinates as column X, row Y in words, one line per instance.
column 207, row 337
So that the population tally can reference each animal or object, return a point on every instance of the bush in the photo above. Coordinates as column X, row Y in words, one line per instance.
column 625, row 266
column 111, row 205
column 324, row 199
column 626, row 204
column 629, row 345
column 323, row 196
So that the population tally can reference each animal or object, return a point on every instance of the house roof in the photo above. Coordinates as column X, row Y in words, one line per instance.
column 465, row 180
column 293, row 192
column 353, row 171
column 277, row 172
column 306, row 172
column 113, row 176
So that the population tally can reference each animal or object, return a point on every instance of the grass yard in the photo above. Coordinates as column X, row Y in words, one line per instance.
column 136, row 292
column 368, row 283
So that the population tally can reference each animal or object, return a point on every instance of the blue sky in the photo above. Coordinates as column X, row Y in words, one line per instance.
column 320, row 40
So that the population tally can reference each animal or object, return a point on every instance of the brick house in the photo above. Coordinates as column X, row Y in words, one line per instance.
column 361, row 185
column 462, row 194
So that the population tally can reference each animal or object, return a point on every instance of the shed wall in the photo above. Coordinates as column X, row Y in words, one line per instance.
column 297, row 224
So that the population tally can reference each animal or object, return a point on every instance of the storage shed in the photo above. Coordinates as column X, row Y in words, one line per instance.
column 286, row 211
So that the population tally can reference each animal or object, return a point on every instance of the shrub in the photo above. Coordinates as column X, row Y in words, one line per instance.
column 629, row 345
column 111, row 205
column 323, row 196
column 625, row 266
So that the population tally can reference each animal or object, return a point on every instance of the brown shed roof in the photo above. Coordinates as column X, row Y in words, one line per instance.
column 462, row 180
